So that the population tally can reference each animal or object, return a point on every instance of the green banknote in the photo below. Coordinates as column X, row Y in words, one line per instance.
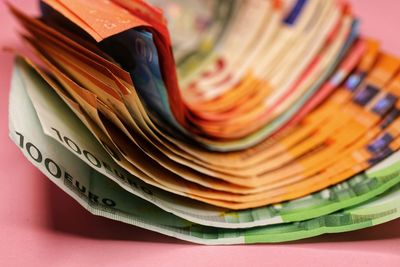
column 101, row 196
column 59, row 122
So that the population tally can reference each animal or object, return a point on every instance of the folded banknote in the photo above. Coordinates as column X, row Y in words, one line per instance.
column 220, row 133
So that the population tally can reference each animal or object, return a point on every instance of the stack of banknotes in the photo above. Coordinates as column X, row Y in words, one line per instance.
column 212, row 121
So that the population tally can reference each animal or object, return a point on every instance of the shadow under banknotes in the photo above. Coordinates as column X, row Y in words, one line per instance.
column 67, row 216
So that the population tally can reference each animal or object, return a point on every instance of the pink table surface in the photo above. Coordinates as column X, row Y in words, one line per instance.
column 42, row 226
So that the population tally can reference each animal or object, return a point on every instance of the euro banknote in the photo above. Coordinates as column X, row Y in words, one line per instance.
column 103, row 197
column 277, row 121
column 57, row 122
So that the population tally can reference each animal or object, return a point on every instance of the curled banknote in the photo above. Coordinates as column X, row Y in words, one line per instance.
column 216, row 122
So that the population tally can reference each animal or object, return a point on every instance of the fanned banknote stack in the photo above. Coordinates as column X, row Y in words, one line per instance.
column 214, row 121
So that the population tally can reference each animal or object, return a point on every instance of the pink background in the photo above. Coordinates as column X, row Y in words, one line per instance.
column 42, row 226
